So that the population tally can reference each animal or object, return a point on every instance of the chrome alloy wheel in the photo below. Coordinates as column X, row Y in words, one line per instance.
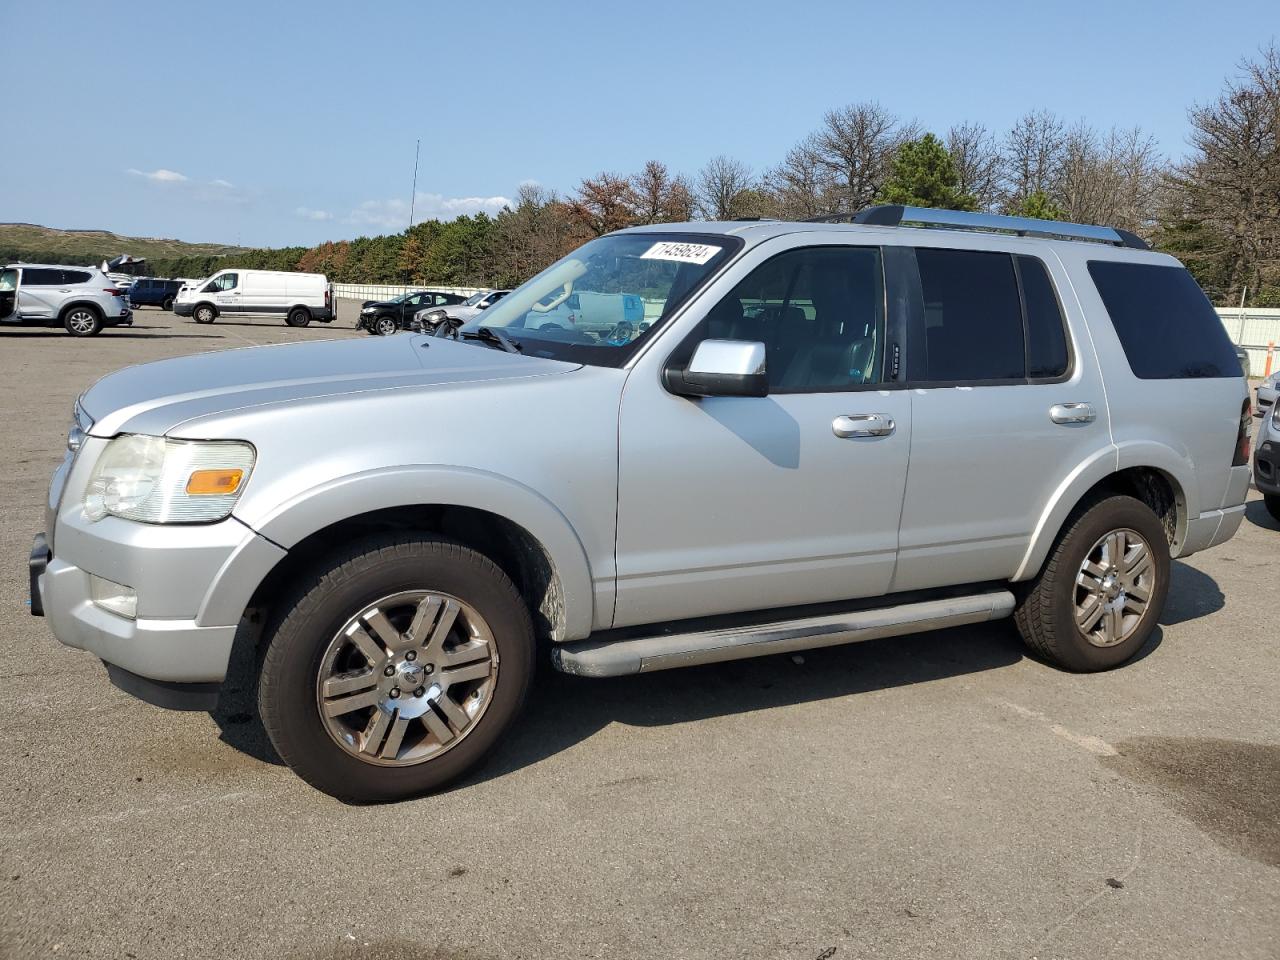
column 81, row 321
column 407, row 678
column 1114, row 586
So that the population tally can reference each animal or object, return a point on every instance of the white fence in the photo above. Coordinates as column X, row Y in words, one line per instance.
column 385, row 291
column 1253, row 328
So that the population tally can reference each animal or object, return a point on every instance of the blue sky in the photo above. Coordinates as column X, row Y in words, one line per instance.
column 289, row 123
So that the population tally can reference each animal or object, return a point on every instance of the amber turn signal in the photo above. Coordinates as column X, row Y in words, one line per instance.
column 214, row 482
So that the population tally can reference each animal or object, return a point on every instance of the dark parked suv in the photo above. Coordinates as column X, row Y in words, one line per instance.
column 153, row 292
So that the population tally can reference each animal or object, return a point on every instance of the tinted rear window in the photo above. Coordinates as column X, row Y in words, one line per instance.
column 40, row 277
column 1166, row 325
column 75, row 276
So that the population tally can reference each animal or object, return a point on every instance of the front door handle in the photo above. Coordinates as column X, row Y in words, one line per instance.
column 1072, row 413
column 863, row 425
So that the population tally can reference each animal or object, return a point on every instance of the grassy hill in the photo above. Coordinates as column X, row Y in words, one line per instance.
column 27, row 241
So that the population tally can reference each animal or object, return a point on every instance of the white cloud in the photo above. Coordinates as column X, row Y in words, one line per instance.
column 394, row 214
column 306, row 213
column 224, row 183
column 159, row 176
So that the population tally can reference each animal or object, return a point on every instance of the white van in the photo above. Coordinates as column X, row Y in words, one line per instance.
column 297, row 297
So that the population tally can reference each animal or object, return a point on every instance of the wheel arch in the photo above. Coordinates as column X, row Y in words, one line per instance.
column 526, row 535
column 1156, row 481
column 205, row 303
column 71, row 305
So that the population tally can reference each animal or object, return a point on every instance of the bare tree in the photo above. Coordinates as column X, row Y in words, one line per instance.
column 979, row 166
column 1229, row 189
column 718, row 184
column 1110, row 179
column 800, row 186
column 604, row 203
column 854, row 149
column 1031, row 156
column 660, row 197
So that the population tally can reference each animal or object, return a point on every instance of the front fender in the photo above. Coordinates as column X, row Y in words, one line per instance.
column 426, row 485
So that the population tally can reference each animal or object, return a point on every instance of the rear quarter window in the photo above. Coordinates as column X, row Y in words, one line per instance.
column 1166, row 325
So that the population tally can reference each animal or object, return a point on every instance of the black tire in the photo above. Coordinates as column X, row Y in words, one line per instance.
column 1272, row 503
column 167, row 305
column 204, row 313
column 319, row 606
column 384, row 326
column 1046, row 612
column 298, row 317
column 82, row 320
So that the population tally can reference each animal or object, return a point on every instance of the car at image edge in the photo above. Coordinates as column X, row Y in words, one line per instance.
column 81, row 300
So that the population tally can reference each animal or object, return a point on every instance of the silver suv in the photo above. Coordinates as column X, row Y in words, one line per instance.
column 82, row 300
column 822, row 432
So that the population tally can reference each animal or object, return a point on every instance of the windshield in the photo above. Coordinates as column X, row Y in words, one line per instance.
column 599, row 303
column 475, row 298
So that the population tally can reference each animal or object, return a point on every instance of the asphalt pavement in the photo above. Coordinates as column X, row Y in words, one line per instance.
column 938, row 795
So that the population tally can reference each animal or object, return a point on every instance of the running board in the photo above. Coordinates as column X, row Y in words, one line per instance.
column 614, row 658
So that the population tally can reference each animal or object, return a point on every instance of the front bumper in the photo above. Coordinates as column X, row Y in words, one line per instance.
column 182, row 309
column 193, row 585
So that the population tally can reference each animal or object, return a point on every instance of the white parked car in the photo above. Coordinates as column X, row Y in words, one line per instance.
column 82, row 300
column 297, row 297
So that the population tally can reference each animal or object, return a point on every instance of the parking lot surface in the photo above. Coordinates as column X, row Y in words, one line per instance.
column 939, row 795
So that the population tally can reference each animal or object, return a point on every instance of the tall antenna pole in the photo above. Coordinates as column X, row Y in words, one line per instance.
column 413, row 196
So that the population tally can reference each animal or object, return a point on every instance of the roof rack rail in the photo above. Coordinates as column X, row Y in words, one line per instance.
column 894, row 215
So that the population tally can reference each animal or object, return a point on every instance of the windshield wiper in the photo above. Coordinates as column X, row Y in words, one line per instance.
column 491, row 335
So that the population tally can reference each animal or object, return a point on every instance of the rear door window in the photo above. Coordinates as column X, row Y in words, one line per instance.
column 1166, row 325
column 972, row 317
column 75, row 276
column 41, row 277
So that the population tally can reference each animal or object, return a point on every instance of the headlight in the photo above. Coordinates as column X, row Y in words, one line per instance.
column 368, row 309
column 1273, row 381
column 157, row 480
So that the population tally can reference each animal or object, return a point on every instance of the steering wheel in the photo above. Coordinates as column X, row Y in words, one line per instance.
column 621, row 334
column 564, row 295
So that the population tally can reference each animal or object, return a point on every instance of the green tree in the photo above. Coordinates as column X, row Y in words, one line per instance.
column 924, row 175
column 1038, row 206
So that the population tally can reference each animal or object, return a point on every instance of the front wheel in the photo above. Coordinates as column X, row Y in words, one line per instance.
column 298, row 317
column 395, row 668
column 1100, row 593
column 204, row 314
column 385, row 326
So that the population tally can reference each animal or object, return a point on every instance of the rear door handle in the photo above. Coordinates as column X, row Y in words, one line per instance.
column 863, row 425
column 1072, row 413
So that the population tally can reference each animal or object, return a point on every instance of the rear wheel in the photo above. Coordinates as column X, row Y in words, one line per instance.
column 82, row 322
column 298, row 317
column 204, row 314
column 1272, row 501
column 395, row 668
column 1101, row 592
column 168, row 304
column 385, row 326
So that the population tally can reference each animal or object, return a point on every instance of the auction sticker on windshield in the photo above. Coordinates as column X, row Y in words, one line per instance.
column 681, row 252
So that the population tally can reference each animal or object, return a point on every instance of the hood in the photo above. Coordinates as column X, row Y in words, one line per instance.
column 154, row 398
column 378, row 304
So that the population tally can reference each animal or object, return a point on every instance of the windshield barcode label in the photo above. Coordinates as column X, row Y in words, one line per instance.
column 681, row 252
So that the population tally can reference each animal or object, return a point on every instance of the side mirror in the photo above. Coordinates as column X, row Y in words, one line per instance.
column 722, row 368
